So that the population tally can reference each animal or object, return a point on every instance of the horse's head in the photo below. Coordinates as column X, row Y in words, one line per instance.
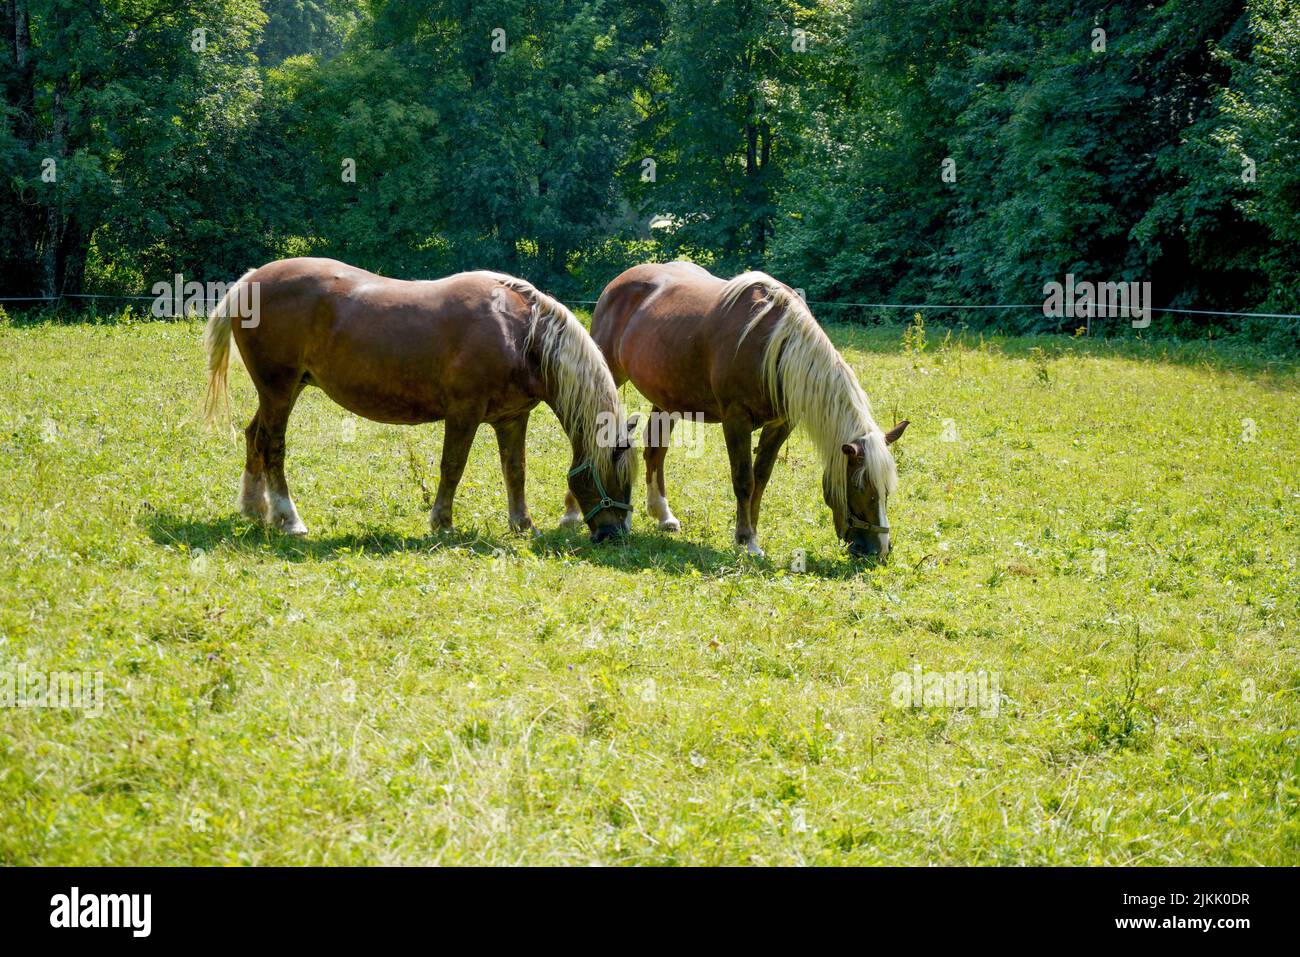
column 861, row 522
column 605, row 495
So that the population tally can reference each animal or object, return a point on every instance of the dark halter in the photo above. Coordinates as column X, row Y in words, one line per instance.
column 605, row 500
column 867, row 526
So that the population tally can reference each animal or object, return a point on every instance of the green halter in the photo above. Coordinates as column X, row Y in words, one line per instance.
column 605, row 500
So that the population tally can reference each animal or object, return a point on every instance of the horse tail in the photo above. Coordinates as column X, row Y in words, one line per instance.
column 216, row 341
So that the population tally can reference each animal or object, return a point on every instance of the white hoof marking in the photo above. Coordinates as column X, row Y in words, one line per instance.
column 285, row 517
column 657, row 505
column 253, row 502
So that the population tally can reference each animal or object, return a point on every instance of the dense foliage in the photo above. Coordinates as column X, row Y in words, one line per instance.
column 565, row 140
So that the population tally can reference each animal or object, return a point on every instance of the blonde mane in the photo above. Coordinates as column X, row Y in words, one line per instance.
column 574, row 372
column 811, row 385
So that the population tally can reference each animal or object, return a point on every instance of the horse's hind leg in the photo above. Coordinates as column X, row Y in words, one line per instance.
column 658, row 431
column 273, row 421
column 511, row 436
column 253, row 501
column 738, row 431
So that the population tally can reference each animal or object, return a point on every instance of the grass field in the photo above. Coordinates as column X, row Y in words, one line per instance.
column 1107, row 532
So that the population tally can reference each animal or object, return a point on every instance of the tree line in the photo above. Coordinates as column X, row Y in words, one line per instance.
column 896, row 151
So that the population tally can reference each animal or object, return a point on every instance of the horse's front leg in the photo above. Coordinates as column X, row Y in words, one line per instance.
column 769, row 446
column 738, row 430
column 658, row 432
column 511, row 438
column 572, row 511
column 458, row 436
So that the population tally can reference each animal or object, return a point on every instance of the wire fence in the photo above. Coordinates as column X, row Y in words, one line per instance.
column 902, row 306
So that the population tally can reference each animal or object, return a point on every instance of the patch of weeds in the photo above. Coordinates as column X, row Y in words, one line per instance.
column 817, row 739
column 598, row 716
column 475, row 732
column 788, row 789
column 419, row 474
column 850, row 838
column 1122, row 721
column 935, row 625
column 221, row 687
column 1041, row 364
column 914, row 343
column 948, row 350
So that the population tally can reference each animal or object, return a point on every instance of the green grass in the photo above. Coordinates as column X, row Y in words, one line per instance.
column 376, row 695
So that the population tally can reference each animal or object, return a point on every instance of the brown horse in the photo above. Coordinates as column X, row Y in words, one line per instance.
column 475, row 347
column 749, row 354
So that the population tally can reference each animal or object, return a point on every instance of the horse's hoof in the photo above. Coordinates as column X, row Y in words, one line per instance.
column 523, row 528
column 296, row 529
column 752, row 549
column 670, row 525
column 570, row 519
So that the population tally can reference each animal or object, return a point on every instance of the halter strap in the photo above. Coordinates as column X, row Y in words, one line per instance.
column 867, row 526
column 605, row 500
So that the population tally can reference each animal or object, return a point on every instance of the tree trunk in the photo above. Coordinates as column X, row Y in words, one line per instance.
column 25, row 220
column 70, row 260
column 764, row 160
column 52, row 259
column 751, row 166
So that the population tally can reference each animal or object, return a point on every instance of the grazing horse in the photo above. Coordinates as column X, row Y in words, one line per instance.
column 475, row 347
column 749, row 354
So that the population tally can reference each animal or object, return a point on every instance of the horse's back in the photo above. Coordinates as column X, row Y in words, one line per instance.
column 339, row 284
column 392, row 350
column 658, row 326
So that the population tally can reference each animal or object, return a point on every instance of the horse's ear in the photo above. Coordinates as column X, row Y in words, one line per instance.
column 893, row 434
column 849, row 449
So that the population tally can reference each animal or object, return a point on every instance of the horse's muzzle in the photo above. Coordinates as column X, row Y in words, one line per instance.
column 604, row 533
column 870, row 547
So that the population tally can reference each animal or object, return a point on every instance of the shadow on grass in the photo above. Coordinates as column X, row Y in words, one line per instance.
column 675, row 555
column 642, row 550
column 243, row 535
